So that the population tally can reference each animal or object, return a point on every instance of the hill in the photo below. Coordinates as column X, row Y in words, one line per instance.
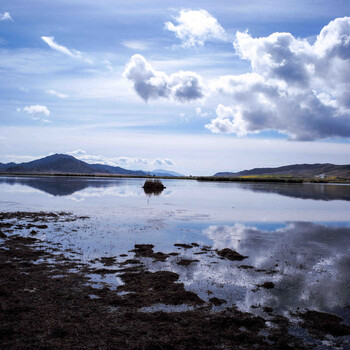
column 4, row 166
column 296, row 170
column 162, row 172
column 63, row 163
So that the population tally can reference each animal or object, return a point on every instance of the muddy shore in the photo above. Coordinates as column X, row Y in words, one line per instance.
column 47, row 301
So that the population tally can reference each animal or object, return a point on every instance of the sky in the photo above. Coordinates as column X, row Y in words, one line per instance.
column 196, row 87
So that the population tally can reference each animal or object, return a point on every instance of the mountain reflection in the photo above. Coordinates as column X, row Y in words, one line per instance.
column 81, row 188
column 324, row 192
column 59, row 186
column 66, row 186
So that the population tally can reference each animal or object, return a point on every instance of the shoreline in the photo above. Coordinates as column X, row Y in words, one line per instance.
column 49, row 301
column 262, row 178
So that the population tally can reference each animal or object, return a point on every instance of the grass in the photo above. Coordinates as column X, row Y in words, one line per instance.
column 251, row 178
column 247, row 178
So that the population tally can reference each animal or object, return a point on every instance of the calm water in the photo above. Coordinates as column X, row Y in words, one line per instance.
column 299, row 231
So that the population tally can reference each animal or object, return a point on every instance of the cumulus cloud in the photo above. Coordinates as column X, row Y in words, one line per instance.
column 5, row 16
column 151, row 84
column 37, row 110
column 50, row 40
column 119, row 161
column 162, row 162
column 224, row 124
column 194, row 28
column 78, row 152
column 57, row 94
column 295, row 87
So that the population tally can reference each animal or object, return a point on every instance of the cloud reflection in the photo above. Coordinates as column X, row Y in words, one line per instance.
column 307, row 262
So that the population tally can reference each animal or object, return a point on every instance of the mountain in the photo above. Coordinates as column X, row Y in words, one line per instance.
column 162, row 172
column 4, row 166
column 116, row 170
column 60, row 163
column 63, row 163
column 297, row 170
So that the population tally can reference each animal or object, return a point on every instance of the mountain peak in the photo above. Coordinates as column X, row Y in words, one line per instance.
column 66, row 164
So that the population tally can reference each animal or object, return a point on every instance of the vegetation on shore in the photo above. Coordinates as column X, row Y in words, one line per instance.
column 247, row 178
column 274, row 178
column 252, row 178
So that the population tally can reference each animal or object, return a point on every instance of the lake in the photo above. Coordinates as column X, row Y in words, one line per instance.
column 294, row 235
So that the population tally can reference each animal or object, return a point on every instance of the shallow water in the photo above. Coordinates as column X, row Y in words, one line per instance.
column 295, row 235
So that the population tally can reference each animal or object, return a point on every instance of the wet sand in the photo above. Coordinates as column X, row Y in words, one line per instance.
column 48, row 301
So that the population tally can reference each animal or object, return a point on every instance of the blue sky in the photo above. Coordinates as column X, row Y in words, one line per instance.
column 197, row 87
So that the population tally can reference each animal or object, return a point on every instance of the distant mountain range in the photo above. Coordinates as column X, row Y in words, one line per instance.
column 162, row 172
column 65, row 164
column 297, row 170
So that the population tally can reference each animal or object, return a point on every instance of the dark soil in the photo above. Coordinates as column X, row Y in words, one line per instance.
column 267, row 285
column 108, row 261
column 41, row 312
column 146, row 250
column 320, row 324
column 44, row 305
column 150, row 288
column 217, row 301
column 230, row 254
column 245, row 267
column 186, row 262
column 182, row 245
column 268, row 309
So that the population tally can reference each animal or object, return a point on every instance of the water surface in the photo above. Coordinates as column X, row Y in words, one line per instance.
column 295, row 235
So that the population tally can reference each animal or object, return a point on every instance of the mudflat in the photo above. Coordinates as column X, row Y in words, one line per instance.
column 47, row 301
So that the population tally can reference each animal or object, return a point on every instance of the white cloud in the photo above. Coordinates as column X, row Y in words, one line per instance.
column 77, row 152
column 37, row 110
column 120, row 161
column 194, row 28
column 5, row 16
column 224, row 124
column 162, row 162
column 50, row 40
column 295, row 87
column 134, row 45
column 150, row 84
column 200, row 113
column 57, row 94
